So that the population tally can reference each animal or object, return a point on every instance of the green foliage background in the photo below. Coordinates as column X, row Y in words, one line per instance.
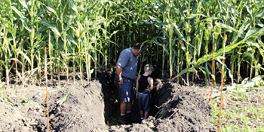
column 83, row 36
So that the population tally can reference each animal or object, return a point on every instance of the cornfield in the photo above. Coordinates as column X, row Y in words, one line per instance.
column 84, row 36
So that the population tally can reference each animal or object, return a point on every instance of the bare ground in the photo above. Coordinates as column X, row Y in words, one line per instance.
column 95, row 107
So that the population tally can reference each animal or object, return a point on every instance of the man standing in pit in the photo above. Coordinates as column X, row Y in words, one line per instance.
column 126, row 70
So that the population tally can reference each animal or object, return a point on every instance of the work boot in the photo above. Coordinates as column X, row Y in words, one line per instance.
column 122, row 120
column 130, row 118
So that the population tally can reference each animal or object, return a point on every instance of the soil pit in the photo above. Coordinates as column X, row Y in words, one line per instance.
column 95, row 107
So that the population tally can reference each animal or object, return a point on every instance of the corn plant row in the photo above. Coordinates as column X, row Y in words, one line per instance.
column 84, row 36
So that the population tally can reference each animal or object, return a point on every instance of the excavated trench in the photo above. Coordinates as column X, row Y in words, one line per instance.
column 111, row 100
column 174, row 108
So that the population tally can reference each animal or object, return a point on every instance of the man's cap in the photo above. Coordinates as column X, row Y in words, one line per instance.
column 140, row 46
column 148, row 67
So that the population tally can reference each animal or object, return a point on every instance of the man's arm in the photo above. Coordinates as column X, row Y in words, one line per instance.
column 119, row 74
column 137, row 85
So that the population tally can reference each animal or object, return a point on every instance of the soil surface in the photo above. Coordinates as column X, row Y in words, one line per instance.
column 95, row 107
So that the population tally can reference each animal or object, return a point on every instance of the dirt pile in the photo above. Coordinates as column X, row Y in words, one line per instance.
column 82, row 109
column 182, row 110
column 72, row 108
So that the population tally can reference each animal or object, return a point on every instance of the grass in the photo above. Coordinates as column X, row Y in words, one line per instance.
column 243, row 108
column 240, row 117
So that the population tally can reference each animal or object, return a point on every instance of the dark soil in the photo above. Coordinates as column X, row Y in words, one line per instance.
column 182, row 110
column 95, row 107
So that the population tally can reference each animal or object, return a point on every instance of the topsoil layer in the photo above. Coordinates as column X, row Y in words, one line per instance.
column 95, row 107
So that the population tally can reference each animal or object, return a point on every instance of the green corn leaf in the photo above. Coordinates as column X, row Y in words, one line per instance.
column 259, row 23
column 48, row 25
column 62, row 99
column 23, row 3
column 74, row 7
column 18, row 12
column 206, row 58
column 221, row 25
column 191, row 16
column 147, row 22
column 155, row 19
column 247, row 54
column 7, row 8
column 251, row 32
column 260, row 14
column 210, row 19
column 164, row 39
column 25, row 56
column 5, row 99
column 52, row 10
column 249, row 11
column 22, row 18
column 206, row 35
column 165, row 33
column 260, row 32
column 158, row 43
column 244, row 27
column 179, row 33
column 191, row 69
column 71, row 39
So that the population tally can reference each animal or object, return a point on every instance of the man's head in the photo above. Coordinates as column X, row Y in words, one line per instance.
column 138, row 48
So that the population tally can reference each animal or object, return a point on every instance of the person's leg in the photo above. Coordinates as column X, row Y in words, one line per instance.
column 123, row 104
column 141, row 114
column 128, row 106
column 146, row 104
column 146, row 114
column 121, row 96
column 128, row 113
column 122, row 118
column 123, row 108
column 129, row 97
column 140, row 107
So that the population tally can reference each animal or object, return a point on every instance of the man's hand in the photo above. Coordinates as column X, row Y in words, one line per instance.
column 120, row 82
